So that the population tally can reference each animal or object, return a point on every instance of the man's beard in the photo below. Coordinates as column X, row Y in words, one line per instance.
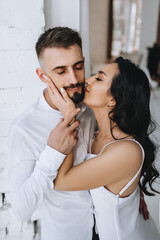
column 77, row 97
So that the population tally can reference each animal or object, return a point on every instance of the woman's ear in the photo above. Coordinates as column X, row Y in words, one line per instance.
column 42, row 76
column 111, row 103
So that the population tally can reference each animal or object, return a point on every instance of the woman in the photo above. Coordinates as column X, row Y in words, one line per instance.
column 121, row 153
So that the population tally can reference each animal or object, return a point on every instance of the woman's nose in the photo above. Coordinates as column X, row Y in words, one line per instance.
column 89, row 80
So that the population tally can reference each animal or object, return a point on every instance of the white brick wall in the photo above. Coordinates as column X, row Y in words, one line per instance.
column 21, row 22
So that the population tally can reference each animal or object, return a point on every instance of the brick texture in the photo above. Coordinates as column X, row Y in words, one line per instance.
column 21, row 22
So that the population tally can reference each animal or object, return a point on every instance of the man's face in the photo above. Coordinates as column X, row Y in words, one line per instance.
column 66, row 69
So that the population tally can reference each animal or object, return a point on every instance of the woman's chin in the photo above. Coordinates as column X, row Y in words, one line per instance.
column 86, row 102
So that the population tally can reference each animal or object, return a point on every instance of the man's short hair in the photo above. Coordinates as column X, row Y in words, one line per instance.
column 59, row 37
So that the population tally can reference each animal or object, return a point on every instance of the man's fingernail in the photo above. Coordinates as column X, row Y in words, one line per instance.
column 62, row 90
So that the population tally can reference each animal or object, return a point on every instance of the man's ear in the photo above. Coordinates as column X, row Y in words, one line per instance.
column 41, row 74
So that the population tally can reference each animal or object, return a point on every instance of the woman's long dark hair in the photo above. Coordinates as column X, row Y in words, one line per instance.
column 131, row 91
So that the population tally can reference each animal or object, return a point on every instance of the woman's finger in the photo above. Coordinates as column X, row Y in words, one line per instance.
column 49, row 90
column 54, row 89
column 71, row 116
column 65, row 95
column 56, row 98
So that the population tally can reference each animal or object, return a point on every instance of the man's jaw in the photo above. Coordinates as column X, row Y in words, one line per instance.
column 76, row 92
column 77, row 97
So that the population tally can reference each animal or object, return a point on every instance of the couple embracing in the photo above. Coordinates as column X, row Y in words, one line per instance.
column 77, row 160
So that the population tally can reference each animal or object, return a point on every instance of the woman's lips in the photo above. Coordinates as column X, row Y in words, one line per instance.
column 86, row 90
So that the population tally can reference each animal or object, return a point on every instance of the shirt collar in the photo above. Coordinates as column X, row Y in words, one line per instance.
column 43, row 103
column 82, row 106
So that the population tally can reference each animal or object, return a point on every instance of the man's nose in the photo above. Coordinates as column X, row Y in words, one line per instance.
column 72, row 78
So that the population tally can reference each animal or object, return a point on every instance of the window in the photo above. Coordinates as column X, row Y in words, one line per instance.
column 126, row 26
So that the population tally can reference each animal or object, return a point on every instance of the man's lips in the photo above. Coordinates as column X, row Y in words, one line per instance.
column 73, row 89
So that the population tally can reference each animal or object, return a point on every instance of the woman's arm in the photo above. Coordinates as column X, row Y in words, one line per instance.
column 109, row 167
column 67, row 107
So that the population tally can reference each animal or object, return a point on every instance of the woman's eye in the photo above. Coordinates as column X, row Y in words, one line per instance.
column 98, row 79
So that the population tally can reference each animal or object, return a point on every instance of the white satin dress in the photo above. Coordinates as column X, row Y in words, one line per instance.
column 118, row 218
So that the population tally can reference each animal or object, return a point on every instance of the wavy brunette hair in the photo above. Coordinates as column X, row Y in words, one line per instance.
column 131, row 91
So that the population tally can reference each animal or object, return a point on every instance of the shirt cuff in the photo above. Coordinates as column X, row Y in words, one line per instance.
column 51, row 158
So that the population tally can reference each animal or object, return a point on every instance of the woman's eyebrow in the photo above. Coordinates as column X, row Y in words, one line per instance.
column 102, row 73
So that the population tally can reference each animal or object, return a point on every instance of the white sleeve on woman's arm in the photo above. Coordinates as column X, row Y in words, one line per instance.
column 29, row 178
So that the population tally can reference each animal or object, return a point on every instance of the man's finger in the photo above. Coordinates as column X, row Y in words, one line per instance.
column 74, row 126
column 71, row 116
column 60, row 122
column 75, row 133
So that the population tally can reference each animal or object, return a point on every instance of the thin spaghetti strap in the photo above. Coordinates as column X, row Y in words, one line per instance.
column 106, row 146
column 115, row 141
column 133, row 179
column 135, row 176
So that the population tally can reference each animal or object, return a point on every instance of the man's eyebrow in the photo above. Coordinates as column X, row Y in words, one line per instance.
column 102, row 73
column 59, row 67
column 78, row 63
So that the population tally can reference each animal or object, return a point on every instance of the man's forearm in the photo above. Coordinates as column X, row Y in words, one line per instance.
column 30, row 176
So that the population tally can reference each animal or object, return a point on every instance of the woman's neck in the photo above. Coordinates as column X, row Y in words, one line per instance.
column 105, row 124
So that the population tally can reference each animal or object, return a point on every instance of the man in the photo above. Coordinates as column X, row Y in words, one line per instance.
column 35, row 152
column 32, row 155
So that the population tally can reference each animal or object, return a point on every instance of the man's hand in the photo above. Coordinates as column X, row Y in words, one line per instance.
column 143, row 206
column 63, row 138
column 61, row 101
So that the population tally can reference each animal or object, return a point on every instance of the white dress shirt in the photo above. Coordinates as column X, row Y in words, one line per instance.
column 33, row 166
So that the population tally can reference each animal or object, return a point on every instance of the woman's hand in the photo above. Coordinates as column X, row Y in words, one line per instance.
column 61, row 101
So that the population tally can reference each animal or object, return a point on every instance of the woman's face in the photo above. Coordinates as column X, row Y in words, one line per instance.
column 97, row 91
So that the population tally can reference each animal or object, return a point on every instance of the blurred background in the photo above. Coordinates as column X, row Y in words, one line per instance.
column 109, row 28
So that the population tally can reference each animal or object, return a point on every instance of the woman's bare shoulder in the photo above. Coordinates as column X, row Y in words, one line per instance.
column 126, row 151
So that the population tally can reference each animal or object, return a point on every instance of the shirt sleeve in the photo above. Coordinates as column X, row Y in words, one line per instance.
column 30, row 174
